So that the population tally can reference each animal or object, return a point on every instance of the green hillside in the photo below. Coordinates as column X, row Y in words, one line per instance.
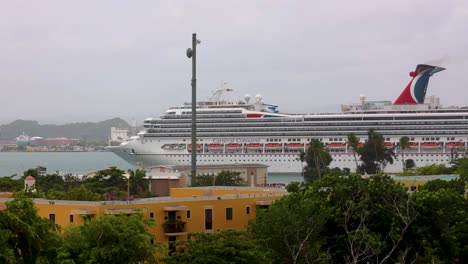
column 86, row 131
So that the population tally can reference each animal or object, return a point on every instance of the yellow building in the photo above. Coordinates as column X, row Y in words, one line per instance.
column 185, row 210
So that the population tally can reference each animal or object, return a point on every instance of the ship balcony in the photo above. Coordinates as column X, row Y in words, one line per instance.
column 174, row 227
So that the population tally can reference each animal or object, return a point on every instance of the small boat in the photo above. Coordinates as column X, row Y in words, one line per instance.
column 336, row 145
column 413, row 145
column 215, row 146
column 173, row 146
column 255, row 146
column 295, row 145
column 273, row 146
column 429, row 145
column 189, row 147
column 233, row 146
column 455, row 144
column 388, row 144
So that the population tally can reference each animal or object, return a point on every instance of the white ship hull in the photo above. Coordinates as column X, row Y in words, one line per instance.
column 142, row 154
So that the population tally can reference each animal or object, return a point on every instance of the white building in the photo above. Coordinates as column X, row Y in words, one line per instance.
column 119, row 134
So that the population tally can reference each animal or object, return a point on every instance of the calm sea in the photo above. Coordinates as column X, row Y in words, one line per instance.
column 82, row 163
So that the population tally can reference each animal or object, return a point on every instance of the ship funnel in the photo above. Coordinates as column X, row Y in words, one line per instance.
column 415, row 91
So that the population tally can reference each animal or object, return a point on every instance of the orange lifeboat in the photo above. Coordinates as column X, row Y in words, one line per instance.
column 233, row 146
column 273, row 146
column 455, row 144
column 429, row 145
column 388, row 144
column 413, row 145
column 336, row 145
column 255, row 146
column 360, row 145
column 215, row 146
column 189, row 147
column 295, row 145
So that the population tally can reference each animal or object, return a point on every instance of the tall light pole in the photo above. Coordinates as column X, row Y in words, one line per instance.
column 192, row 53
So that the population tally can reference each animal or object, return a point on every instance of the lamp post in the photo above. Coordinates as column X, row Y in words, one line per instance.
column 192, row 53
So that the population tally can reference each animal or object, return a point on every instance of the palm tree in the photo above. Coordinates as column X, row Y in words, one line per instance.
column 317, row 159
column 302, row 159
column 404, row 143
column 138, row 184
column 353, row 142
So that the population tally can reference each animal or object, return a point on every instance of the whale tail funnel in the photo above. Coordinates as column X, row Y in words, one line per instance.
column 415, row 91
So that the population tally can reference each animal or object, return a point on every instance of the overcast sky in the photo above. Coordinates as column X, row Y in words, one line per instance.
column 67, row 61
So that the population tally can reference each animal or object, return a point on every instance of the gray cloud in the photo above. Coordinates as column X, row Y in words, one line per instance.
column 66, row 61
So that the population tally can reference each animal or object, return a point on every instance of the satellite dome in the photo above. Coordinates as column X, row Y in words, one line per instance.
column 258, row 97
column 247, row 98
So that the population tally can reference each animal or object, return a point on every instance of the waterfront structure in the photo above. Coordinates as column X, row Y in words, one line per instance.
column 230, row 132
column 164, row 177
column 119, row 135
column 186, row 210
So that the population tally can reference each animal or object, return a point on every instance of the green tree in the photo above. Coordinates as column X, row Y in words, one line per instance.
column 203, row 180
column 410, row 164
column 224, row 178
column 48, row 182
column 442, row 226
column 229, row 178
column 109, row 239
column 317, row 159
column 222, row 247
column 403, row 144
column 8, row 184
column 353, row 142
column 25, row 236
column 374, row 154
column 35, row 172
column 290, row 230
column 302, row 160
column 340, row 220
column 139, row 186
column 75, row 194
column 107, row 180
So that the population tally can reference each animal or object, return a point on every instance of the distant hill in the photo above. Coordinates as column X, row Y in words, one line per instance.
column 86, row 131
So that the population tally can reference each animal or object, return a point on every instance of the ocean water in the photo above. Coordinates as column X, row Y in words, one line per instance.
column 64, row 162
column 84, row 162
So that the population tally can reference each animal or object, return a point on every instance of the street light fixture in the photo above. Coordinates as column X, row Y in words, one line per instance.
column 192, row 53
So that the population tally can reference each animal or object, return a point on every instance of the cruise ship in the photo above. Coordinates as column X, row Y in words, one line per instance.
column 251, row 131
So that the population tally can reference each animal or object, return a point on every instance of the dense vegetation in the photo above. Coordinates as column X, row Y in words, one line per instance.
column 107, row 184
column 224, row 178
column 352, row 219
column 86, row 131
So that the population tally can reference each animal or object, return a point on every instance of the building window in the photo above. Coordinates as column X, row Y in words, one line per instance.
column 151, row 215
column 228, row 213
column 52, row 218
column 71, row 218
column 208, row 219
column 188, row 214
column 247, row 210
